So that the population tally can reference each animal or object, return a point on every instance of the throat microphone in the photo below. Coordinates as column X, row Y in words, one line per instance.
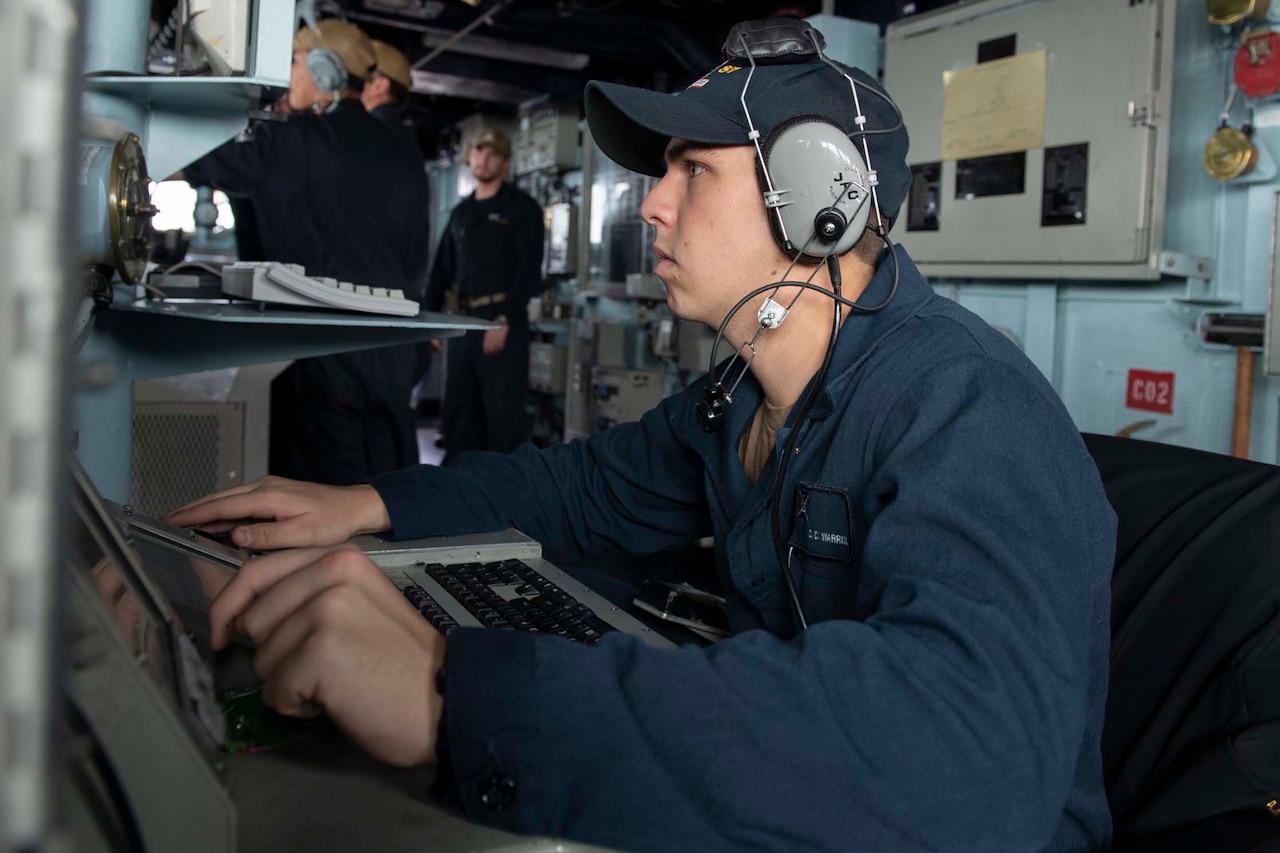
column 712, row 408
column 715, row 401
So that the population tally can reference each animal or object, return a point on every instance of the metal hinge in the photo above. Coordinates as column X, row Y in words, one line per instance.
column 1141, row 114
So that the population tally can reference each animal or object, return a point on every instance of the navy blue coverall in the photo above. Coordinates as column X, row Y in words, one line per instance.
column 390, row 117
column 954, row 550
column 339, row 194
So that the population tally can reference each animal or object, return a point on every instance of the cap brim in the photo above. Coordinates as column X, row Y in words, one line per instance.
column 633, row 126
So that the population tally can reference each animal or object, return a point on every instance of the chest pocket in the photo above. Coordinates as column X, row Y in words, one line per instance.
column 826, row 532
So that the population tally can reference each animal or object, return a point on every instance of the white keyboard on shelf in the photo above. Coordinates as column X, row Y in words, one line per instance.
column 288, row 284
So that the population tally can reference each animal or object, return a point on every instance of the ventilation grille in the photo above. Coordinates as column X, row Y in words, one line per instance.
column 183, row 451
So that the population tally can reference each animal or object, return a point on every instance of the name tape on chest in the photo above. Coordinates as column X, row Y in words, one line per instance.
column 824, row 522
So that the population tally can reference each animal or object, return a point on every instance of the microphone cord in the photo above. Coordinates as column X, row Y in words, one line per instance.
column 782, row 553
column 780, row 550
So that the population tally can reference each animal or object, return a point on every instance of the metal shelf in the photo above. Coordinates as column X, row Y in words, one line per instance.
column 150, row 339
column 257, row 313
column 183, row 118
column 186, row 95
column 134, row 340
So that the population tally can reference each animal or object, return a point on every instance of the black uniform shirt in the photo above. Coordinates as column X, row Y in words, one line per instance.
column 390, row 118
column 334, row 192
column 490, row 246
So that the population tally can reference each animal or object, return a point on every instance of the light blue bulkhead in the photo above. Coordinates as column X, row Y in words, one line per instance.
column 1086, row 336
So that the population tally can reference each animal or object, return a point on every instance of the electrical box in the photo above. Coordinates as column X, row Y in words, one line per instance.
column 615, row 344
column 1039, row 136
column 547, row 367
column 623, row 396
column 694, row 342
column 562, row 238
column 619, row 241
column 645, row 285
column 222, row 28
column 546, row 137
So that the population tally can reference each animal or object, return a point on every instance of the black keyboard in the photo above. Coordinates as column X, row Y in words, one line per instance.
column 507, row 595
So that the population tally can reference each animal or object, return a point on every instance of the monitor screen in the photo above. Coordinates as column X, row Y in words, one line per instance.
column 156, row 593
column 138, row 621
column 188, row 582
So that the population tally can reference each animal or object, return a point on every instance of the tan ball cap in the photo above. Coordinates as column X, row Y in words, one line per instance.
column 493, row 138
column 346, row 40
column 392, row 64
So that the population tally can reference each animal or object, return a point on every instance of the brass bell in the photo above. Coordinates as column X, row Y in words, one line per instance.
column 1230, row 153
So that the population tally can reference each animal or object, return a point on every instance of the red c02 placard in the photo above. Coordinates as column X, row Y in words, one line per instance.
column 1150, row 391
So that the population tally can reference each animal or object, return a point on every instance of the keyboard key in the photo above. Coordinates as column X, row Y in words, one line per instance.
column 507, row 595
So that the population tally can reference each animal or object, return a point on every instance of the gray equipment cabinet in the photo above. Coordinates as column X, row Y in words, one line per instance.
column 1089, row 201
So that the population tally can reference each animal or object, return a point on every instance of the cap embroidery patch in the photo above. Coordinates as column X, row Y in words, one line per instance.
column 729, row 69
column 698, row 84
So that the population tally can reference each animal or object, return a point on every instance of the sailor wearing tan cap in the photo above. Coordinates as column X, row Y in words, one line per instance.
column 490, row 263
column 330, row 62
column 334, row 191
column 384, row 97
column 387, row 88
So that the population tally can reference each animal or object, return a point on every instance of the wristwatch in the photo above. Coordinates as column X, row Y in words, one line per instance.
column 444, row 781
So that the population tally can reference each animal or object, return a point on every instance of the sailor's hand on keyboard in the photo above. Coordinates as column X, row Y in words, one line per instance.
column 277, row 513
column 334, row 635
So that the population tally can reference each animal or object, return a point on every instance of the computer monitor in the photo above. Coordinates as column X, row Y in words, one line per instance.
column 137, row 672
column 221, row 28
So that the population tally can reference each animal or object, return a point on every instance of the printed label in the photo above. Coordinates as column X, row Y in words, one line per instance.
column 1150, row 391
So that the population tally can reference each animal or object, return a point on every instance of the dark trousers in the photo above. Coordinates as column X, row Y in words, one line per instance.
column 484, row 395
column 340, row 419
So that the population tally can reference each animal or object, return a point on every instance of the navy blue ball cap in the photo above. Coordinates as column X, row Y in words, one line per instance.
column 633, row 126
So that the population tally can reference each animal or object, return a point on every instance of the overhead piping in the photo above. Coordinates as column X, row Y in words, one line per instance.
column 486, row 47
column 483, row 18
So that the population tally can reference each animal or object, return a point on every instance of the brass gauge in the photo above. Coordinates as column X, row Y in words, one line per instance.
column 129, row 209
column 1227, row 12
column 1229, row 154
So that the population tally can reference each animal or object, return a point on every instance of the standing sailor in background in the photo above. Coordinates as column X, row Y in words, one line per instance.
column 490, row 262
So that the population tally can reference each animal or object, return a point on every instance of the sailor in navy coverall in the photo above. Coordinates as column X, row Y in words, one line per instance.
column 952, row 552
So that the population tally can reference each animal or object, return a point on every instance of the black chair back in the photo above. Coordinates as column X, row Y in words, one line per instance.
column 1192, row 734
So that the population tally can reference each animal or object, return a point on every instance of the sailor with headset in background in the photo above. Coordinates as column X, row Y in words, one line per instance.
column 914, row 545
column 334, row 190
column 384, row 95
column 387, row 89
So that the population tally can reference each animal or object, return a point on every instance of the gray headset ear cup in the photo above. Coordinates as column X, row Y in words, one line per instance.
column 327, row 70
column 819, row 167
